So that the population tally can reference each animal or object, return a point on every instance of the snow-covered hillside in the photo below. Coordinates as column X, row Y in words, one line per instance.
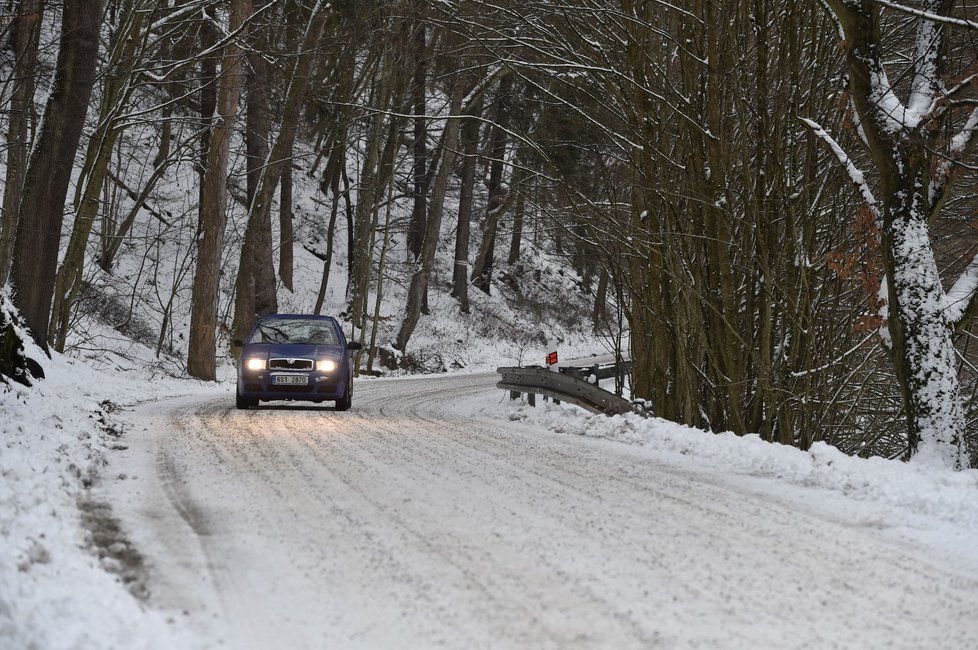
column 542, row 304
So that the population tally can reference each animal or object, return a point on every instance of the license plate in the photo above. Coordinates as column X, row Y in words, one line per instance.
column 290, row 380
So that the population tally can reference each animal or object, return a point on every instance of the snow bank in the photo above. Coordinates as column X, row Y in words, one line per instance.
column 939, row 505
column 55, row 591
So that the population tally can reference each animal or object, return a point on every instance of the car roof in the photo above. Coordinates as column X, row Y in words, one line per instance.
column 299, row 316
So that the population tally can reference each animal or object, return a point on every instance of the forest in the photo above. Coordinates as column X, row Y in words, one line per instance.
column 767, row 205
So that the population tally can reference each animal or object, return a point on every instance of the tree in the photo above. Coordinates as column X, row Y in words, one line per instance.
column 420, row 278
column 25, row 32
column 285, row 228
column 201, row 361
column 42, row 203
column 419, row 211
column 470, row 145
column 920, row 317
column 248, row 300
column 498, row 195
column 127, row 38
column 208, row 96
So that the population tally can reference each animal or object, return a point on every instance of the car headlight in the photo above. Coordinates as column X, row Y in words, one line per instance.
column 325, row 365
column 255, row 364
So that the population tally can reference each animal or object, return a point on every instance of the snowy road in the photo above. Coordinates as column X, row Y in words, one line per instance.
column 407, row 523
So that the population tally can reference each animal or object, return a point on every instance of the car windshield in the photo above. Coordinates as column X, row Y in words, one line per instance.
column 296, row 330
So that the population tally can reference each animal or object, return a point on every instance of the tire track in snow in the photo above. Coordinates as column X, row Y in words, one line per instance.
column 406, row 522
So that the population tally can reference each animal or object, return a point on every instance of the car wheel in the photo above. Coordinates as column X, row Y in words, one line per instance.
column 346, row 402
column 243, row 403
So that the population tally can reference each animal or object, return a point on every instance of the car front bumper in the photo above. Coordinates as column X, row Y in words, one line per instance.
column 320, row 386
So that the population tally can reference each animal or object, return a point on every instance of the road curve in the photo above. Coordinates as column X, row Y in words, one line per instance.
column 407, row 523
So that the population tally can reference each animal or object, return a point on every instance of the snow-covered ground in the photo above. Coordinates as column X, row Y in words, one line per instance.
column 437, row 513
column 935, row 507
column 67, row 573
column 69, row 578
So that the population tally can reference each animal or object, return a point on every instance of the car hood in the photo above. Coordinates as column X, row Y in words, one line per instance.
column 292, row 351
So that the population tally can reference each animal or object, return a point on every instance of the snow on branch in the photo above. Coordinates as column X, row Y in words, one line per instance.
column 859, row 180
column 961, row 141
column 928, row 15
column 926, row 85
column 960, row 296
column 855, row 175
column 957, row 148
column 186, row 10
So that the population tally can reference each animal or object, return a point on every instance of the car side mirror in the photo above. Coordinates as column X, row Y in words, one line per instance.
column 238, row 343
column 354, row 345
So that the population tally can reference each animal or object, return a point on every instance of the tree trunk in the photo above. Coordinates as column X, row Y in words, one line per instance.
column 421, row 276
column 45, row 187
column 384, row 246
column 208, row 100
column 117, row 90
column 286, row 236
column 251, row 257
column 201, row 362
column 349, row 215
column 330, row 235
column 378, row 164
column 419, row 217
column 482, row 271
column 263, row 269
column 517, row 239
column 257, row 245
column 601, row 300
column 922, row 348
column 367, row 218
column 25, row 32
column 470, row 146
column 912, row 189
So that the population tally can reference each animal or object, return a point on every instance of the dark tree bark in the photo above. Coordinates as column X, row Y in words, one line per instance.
column 419, row 216
column 25, row 31
column 286, row 235
column 256, row 151
column 295, row 17
column 421, row 276
column 116, row 90
column 208, row 100
column 482, row 271
column 518, row 213
column 255, row 286
column 601, row 299
column 201, row 361
column 265, row 284
column 48, row 173
column 470, row 146
column 330, row 234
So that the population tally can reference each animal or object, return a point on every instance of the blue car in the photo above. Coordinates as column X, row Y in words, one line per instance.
column 296, row 357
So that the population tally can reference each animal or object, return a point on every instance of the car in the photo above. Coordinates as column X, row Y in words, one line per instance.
column 295, row 357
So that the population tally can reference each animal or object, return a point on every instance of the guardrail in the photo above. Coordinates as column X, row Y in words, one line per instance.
column 599, row 369
column 569, row 384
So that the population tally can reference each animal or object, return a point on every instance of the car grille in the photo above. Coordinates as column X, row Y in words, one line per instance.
column 290, row 364
column 275, row 388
